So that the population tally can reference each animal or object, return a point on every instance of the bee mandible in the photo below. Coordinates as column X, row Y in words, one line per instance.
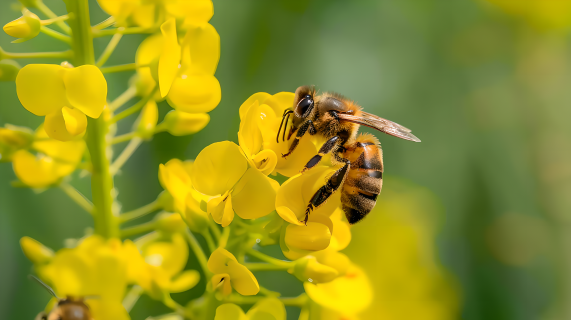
column 70, row 308
column 337, row 119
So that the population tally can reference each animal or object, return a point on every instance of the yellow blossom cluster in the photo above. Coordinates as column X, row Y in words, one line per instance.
column 546, row 15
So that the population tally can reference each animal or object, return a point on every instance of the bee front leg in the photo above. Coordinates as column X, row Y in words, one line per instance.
column 321, row 196
column 300, row 133
column 325, row 149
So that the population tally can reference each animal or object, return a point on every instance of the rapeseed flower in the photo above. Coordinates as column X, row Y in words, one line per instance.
column 175, row 177
column 12, row 139
column 180, row 123
column 184, row 72
column 54, row 160
column 229, row 273
column 222, row 172
column 96, row 267
column 65, row 96
column 268, row 309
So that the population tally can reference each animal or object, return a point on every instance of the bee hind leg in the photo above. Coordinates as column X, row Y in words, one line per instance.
column 325, row 149
column 327, row 190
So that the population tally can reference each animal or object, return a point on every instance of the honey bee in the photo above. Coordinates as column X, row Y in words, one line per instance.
column 70, row 308
column 337, row 119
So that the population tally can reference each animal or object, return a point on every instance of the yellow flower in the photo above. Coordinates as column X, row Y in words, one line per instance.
column 184, row 72
column 346, row 296
column 229, row 273
column 221, row 171
column 55, row 160
column 180, row 123
column 12, row 139
column 267, row 309
column 174, row 176
column 64, row 95
column 96, row 267
column 539, row 13
column 8, row 69
column 26, row 27
column 396, row 247
column 162, row 270
column 261, row 115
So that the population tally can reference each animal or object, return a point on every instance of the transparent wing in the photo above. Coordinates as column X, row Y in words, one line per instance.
column 381, row 124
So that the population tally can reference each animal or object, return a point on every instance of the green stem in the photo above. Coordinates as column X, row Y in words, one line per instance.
column 255, row 266
column 268, row 259
column 125, row 113
column 77, row 197
column 132, row 297
column 109, row 49
column 56, row 35
column 36, row 55
column 133, row 30
column 50, row 14
column 129, row 94
column 214, row 228
column 104, row 24
column 101, row 180
column 123, row 138
column 138, row 229
column 125, row 155
column 299, row 301
column 54, row 20
column 119, row 68
column 140, row 212
column 197, row 249
column 209, row 240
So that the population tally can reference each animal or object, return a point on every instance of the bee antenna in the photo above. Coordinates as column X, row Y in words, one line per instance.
column 285, row 127
column 286, row 113
column 48, row 288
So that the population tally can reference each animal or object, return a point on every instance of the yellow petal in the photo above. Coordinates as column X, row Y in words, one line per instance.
column 107, row 309
column 229, row 311
column 55, row 126
column 69, row 152
column 173, row 255
column 195, row 12
column 175, row 178
column 249, row 135
column 265, row 161
column 296, row 192
column 253, row 196
column 315, row 236
column 218, row 261
column 270, row 306
column 350, row 294
column 144, row 15
column 221, row 209
column 185, row 281
column 34, row 172
column 75, row 121
column 259, row 97
column 180, row 123
column 309, row 269
column 202, row 45
column 242, row 279
column 218, row 168
column 149, row 50
column 25, row 27
column 222, row 282
column 40, row 88
column 341, row 236
column 169, row 60
column 86, row 89
column 36, row 252
column 333, row 259
column 194, row 93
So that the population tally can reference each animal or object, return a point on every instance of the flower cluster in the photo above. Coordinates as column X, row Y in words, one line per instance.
column 549, row 15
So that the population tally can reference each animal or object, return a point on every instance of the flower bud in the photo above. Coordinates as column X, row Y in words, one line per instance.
column 313, row 237
column 165, row 201
column 26, row 27
column 12, row 139
column 36, row 252
column 309, row 269
column 8, row 70
column 170, row 222
column 147, row 121
column 180, row 123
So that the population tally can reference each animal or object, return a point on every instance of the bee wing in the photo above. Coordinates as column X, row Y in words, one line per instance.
column 381, row 124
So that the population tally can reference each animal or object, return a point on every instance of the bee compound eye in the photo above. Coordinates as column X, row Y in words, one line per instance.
column 304, row 105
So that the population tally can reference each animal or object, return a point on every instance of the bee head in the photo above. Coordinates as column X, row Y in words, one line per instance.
column 304, row 101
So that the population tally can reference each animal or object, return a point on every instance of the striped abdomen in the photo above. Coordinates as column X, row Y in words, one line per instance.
column 364, row 179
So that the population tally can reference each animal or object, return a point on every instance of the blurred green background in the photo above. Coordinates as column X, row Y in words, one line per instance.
column 487, row 92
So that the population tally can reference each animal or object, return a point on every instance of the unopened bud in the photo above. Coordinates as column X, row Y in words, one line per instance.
column 8, row 70
column 309, row 268
column 36, row 252
column 26, row 27
column 170, row 222
column 180, row 123
column 147, row 121
column 12, row 139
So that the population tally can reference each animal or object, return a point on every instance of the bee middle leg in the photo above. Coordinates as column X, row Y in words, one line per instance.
column 327, row 147
column 327, row 190
column 308, row 125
